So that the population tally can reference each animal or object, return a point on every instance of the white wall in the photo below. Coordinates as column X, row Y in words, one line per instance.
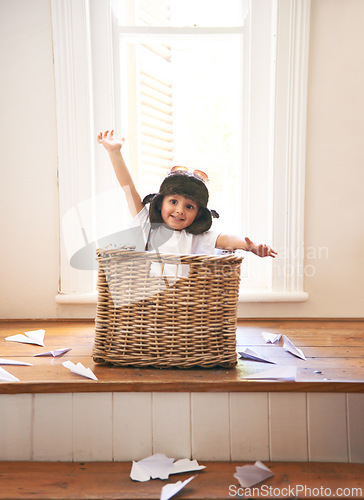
column 28, row 198
column 334, row 238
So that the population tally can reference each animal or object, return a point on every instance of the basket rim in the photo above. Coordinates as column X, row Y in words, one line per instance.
column 126, row 254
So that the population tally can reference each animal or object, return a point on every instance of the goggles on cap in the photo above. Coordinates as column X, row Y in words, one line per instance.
column 198, row 173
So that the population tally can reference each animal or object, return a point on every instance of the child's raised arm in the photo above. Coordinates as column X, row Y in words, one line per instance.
column 113, row 147
column 230, row 242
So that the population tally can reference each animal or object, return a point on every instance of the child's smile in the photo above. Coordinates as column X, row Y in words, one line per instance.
column 178, row 212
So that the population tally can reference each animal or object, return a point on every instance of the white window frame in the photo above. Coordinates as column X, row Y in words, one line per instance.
column 75, row 59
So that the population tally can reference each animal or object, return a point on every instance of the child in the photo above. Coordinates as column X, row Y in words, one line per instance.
column 178, row 220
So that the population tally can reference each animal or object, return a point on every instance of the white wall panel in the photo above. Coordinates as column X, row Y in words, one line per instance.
column 92, row 426
column 210, row 426
column 327, row 427
column 52, row 427
column 288, row 426
column 249, row 426
column 355, row 407
column 206, row 426
column 132, row 425
column 16, row 426
column 171, row 424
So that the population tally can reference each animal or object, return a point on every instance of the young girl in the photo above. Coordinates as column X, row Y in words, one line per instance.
column 178, row 220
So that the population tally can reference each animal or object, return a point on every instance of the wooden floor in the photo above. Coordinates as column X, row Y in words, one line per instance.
column 334, row 352
column 110, row 480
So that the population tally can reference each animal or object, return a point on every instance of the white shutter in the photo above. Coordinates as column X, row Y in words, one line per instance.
column 153, row 98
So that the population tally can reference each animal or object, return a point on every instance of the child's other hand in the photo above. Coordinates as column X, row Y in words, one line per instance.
column 109, row 142
column 260, row 250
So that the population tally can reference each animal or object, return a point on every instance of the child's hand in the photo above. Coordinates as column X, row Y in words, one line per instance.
column 260, row 250
column 109, row 142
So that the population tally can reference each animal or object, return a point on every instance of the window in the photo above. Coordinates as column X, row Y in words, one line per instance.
column 136, row 68
column 180, row 90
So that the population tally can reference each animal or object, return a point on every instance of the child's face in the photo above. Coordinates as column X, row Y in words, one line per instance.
column 178, row 212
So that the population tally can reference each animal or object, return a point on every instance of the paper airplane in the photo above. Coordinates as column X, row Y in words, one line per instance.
column 160, row 466
column 34, row 337
column 169, row 490
column 289, row 347
column 56, row 352
column 186, row 465
column 271, row 337
column 277, row 373
column 6, row 376
column 13, row 362
column 79, row 369
column 153, row 467
column 254, row 356
column 250, row 475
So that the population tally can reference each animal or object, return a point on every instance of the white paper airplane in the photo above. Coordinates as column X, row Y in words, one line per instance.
column 169, row 490
column 153, row 467
column 6, row 376
column 249, row 475
column 254, row 356
column 186, row 465
column 271, row 337
column 4, row 361
column 79, row 369
column 160, row 466
column 276, row 373
column 291, row 348
column 34, row 337
column 56, row 352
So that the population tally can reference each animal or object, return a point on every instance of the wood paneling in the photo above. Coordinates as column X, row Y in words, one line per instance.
column 172, row 424
column 92, row 426
column 133, row 425
column 16, row 426
column 210, row 426
column 288, row 427
column 327, row 432
column 249, row 431
column 52, row 427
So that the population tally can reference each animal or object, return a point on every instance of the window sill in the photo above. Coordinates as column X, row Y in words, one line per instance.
column 77, row 298
column 245, row 296
column 269, row 296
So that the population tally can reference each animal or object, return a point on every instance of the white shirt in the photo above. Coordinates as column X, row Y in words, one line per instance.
column 165, row 240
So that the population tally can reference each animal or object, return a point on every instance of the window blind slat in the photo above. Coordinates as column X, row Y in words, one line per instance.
column 157, row 134
column 147, row 91
column 163, row 51
column 154, row 96
column 157, row 153
column 160, row 6
column 151, row 142
column 153, row 19
column 157, row 163
column 155, row 84
column 167, row 86
column 157, row 105
column 156, row 124
column 154, row 114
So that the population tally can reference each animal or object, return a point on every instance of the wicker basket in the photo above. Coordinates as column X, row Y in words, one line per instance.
column 163, row 321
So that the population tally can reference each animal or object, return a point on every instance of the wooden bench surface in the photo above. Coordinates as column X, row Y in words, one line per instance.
column 334, row 351
column 110, row 480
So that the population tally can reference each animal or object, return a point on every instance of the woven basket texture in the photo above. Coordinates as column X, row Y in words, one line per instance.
column 154, row 319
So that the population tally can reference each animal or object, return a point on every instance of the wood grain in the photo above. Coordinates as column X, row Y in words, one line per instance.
column 110, row 480
column 334, row 349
